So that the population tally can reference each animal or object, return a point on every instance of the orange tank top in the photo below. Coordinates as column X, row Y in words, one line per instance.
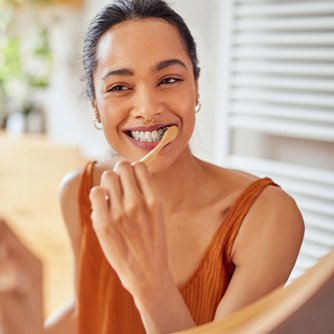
column 105, row 307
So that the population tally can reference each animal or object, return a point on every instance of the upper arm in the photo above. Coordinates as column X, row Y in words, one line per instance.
column 63, row 319
column 69, row 200
column 264, row 251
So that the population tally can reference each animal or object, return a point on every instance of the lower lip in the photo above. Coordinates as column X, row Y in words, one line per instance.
column 144, row 144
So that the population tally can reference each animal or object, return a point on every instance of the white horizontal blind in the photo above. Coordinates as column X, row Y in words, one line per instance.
column 279, row 82
column 313, row 190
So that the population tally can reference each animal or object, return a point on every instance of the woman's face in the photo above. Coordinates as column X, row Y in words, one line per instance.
column 144, row 82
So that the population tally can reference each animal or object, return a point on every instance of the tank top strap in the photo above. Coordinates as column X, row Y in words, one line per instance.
column 238, row 212
column 85, row 187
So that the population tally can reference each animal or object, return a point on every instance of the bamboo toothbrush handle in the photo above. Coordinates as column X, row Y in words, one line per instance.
column 168, row 137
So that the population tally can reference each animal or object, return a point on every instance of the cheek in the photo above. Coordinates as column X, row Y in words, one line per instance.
column 111, row 118
column 111, row 114
column 187, row 114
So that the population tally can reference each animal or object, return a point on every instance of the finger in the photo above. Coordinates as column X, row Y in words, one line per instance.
column 99, row 198
column 145, row 183
column 112, row 183
column 128, row 180
column 100, row 205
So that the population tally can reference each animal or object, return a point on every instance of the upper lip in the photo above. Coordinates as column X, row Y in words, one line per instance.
column 148, row 128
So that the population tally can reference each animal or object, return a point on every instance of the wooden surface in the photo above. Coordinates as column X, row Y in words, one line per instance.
column 31, row 169
column 306, row 306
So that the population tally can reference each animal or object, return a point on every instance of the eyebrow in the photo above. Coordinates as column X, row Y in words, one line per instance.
column 159, row 67
column 169, row 62
column 118, row 72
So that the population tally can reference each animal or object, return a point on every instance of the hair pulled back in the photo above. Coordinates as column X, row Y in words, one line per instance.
column 124, row 10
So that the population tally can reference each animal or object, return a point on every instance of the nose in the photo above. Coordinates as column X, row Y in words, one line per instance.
column 147, row 106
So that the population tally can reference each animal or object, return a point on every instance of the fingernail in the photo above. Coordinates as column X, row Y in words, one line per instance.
column 124, row 161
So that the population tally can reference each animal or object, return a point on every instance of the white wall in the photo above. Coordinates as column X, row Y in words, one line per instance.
column 69, row 113
column 204, row 22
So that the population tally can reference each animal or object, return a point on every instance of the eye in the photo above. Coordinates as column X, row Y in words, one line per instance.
column 118, row 88
column 169, row 81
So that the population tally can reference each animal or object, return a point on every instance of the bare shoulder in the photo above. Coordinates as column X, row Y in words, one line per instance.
column 265, row 249
column 273, row 203
column 102, row 166
column 276, row 208
column 273, row 225
column 69, row 189
column 69, row 200
column 229, row 181
column 70, row 184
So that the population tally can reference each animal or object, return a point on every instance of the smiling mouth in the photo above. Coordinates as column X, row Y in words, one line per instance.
column 148, row 136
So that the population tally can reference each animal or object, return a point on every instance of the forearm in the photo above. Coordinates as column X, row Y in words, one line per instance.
column 163, row 309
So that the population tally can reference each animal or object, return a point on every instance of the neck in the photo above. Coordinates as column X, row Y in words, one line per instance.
column 177, row 185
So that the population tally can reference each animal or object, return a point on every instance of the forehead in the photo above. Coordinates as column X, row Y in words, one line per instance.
column 141, row 40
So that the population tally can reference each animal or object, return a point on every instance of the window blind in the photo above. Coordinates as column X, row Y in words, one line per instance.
column 279, row 84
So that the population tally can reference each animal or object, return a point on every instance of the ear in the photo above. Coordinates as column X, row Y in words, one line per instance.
column 96, row 111
column 196, row 92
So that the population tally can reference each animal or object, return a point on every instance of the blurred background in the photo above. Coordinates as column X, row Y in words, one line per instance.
column 266, row 89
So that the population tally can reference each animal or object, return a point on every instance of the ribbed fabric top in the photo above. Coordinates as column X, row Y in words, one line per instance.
column 105, row 307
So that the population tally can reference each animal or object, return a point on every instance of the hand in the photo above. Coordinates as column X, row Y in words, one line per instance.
column 128, row 222
column 21, row 302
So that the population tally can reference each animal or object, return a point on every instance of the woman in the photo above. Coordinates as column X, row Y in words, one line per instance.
column 182, row 242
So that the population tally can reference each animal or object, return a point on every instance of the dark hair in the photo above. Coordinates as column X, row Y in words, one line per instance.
column 124, row 10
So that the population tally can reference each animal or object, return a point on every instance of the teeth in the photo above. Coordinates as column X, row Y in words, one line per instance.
column 155, row 135
column 149, row 136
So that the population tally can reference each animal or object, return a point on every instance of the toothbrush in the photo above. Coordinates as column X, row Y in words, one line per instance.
column 168, row 137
